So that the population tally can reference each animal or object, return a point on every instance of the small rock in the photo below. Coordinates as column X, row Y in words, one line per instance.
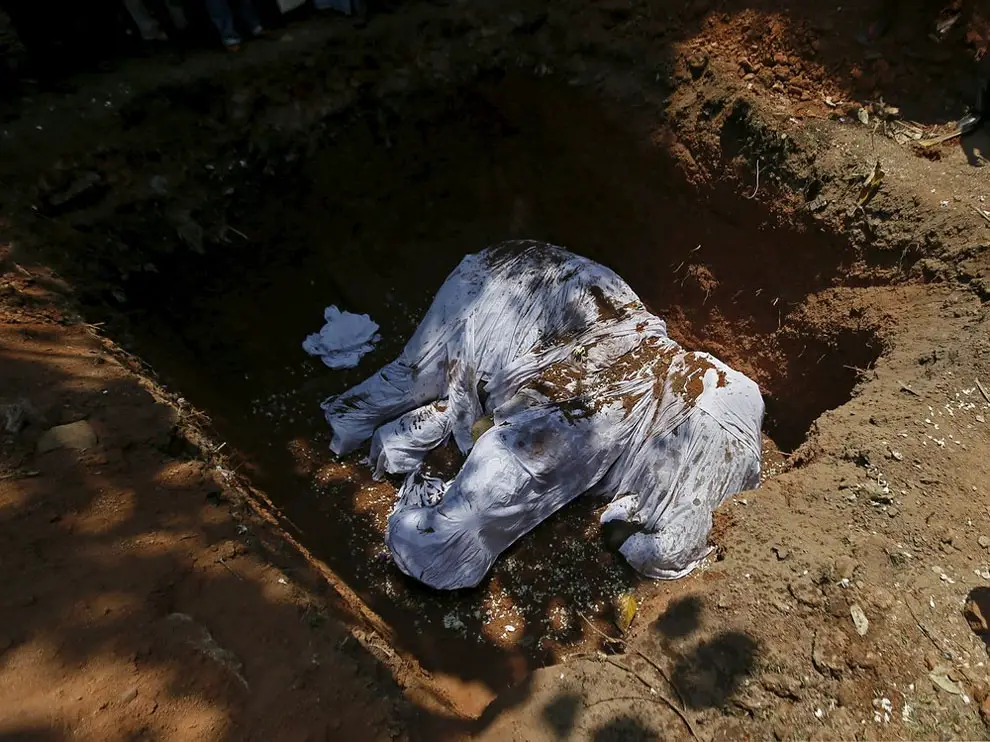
column 83, row 183
column 782, row 685
column 806, row 591
column 697, row 63
column 829, row 651
column 896, row 455
column 893, row 512
column 860, row 621
column 984, row 541
column 845, row 567
column 882, row 599
column 128, row 695
column 877, row 494
column 781, row 551
column 752, row 698
column 941, row 680
column 13, row 417
column 975, row 617
column 864, row 116
column 76, row 436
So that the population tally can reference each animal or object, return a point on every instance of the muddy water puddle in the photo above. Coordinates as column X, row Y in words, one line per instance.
column 373, row 221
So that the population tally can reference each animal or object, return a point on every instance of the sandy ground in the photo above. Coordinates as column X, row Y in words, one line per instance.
column 182, row 558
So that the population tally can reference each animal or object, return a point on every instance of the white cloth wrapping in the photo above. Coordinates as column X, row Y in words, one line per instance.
column 344, row 339
column 587, row 393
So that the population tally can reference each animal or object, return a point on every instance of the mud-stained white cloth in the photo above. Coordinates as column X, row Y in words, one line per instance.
column 588, row 395
column 344, row 339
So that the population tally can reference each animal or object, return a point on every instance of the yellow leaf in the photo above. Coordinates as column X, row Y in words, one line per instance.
column 625, row 610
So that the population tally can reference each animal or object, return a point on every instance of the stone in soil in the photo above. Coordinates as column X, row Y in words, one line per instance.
column 829, row 651
column 77, row 436
column 806, row 591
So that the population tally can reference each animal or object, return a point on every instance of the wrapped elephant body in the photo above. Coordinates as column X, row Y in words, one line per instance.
column 546, row 369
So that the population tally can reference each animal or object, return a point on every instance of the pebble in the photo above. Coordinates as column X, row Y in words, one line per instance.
column 860, row 621
column 984, row 541
column 128, row 695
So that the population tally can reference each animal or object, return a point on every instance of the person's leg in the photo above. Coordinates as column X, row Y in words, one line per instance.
column 178, row 14
column 146, row 23
column 247, row 16
column 223, row 19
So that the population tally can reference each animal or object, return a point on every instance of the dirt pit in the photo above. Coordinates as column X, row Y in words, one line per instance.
column 373, row 218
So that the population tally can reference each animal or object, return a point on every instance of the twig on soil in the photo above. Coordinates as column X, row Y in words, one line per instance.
column 983, row 390
column 923, row 628
column 19, row 475
column 238, row 232
column 981, row 212
column 624, row 643
column 909, row 390
column 757, row 189
column 227, row 567
column 926, row 143
column 858, row 370
column 656, row 697
column 639, row 676
column 659, row 696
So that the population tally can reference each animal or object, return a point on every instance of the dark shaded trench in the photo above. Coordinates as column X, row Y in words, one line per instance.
column 372, row 220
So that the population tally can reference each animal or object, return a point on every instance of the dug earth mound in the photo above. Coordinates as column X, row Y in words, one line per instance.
column 185, row 559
